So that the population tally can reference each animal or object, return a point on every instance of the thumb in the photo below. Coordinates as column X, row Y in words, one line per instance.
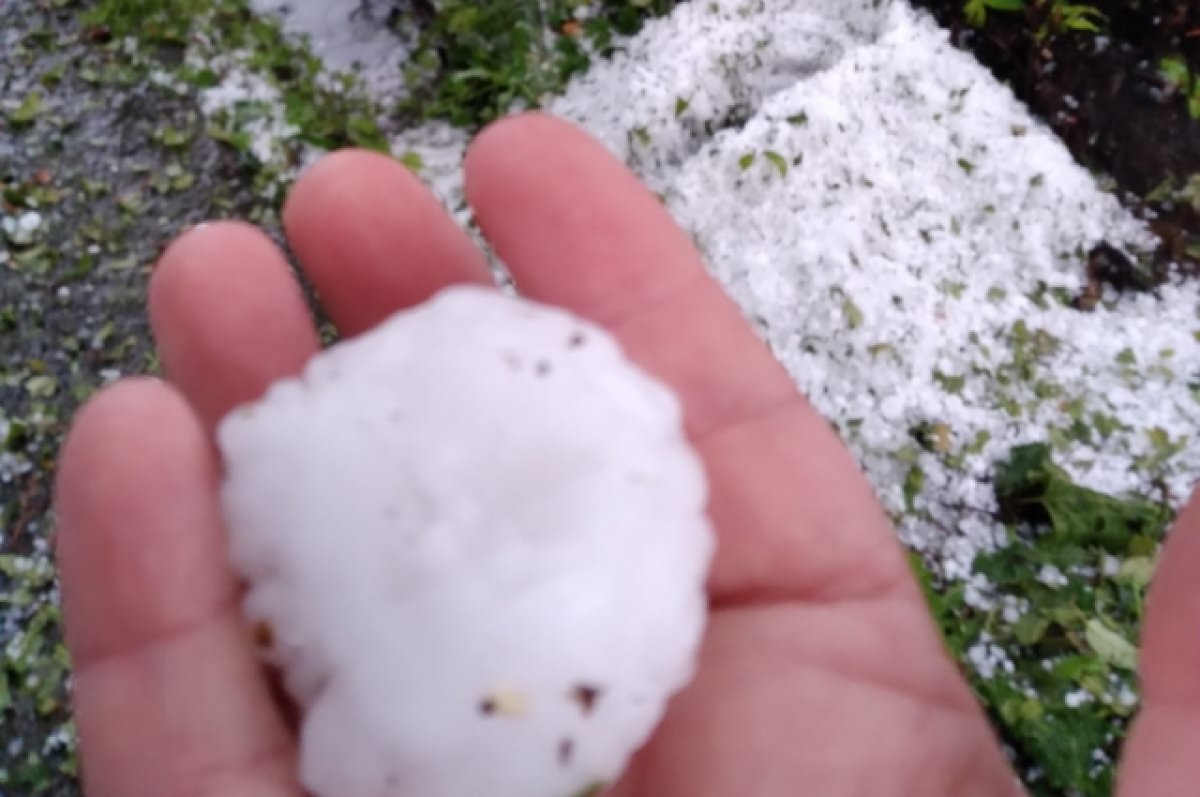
column 1161, row 757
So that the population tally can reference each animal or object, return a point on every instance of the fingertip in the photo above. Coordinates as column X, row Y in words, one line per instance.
column 139, row 540
column 373, row 239
column 334, row 172
column 189, row 262
column 534, row 167
column 228, row 316
column 511, row 136
column 115, row 415
column 202, row 243
column 524, row 129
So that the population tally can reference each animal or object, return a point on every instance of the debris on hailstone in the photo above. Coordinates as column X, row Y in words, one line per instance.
column 475, row 544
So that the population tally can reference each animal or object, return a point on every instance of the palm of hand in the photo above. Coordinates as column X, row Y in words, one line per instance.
column 821, row 672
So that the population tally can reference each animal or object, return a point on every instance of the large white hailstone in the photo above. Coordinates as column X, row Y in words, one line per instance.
column 475, row 540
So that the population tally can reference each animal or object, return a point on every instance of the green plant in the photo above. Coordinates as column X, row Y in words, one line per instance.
column 475, row 61
column 1060, row 16
column 1056, row 16
column 326, row 116
column 976, row 11
column 1175, row 71
column 1070, row 588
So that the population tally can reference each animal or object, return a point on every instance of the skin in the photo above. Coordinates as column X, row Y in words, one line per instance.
column 821, row 672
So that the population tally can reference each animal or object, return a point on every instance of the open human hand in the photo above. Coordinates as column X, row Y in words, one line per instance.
column 821, row 672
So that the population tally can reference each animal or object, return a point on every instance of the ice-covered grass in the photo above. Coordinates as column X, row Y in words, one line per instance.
column 255, row 104
column 261, row 90
column 351, row 36
column 907, row 239
column 910, row 242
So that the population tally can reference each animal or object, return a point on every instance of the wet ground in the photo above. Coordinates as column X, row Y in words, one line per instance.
column 99, row 168
column 1119, row 96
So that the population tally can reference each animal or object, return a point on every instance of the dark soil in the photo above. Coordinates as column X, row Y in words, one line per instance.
column 1104, row 94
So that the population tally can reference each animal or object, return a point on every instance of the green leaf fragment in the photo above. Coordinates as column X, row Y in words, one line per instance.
column 174, row 138
column 955, row 289
column 1082, row 24
column 854, row 316
column 28, row 111
column 1106, row 425
column 591, row 790
column 1110, row 646
column 1142, row 546
column 121, row 264
column 1030, row 487
column 778, row 160
column 982, row 438
column 1030, row 629
column 951, row 383
column 182, row 182
column 413, row 160
column 1175, row 71
column 1137, row 571
column 747, row 160
column 131, row 203
column 914, row 482
column 239, row 140
column 42, row 386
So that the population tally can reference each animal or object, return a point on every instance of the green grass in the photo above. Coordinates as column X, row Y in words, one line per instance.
column 34, row 670
column 1175, row 71
column 327, row 117
column 476, row 60
column 1065, row 706
column 1053, row 17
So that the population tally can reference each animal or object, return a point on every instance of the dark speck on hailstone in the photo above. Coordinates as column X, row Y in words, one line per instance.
column 586, row 696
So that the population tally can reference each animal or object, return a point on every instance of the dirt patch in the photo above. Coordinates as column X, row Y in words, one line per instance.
column 1108, row 96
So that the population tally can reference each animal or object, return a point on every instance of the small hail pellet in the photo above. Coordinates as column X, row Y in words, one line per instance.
column 475, row 545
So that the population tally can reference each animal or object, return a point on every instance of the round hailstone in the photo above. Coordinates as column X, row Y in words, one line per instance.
column 475, row 542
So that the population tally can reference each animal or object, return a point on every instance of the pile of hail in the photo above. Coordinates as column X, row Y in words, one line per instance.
column 475, row 542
